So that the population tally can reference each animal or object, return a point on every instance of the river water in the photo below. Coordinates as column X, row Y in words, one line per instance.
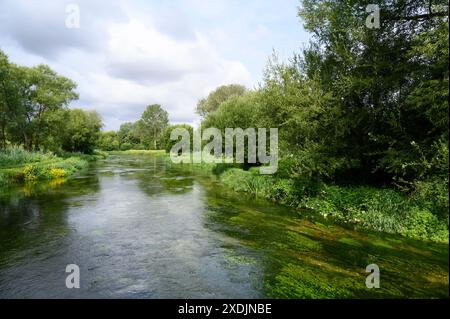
column 139, row 227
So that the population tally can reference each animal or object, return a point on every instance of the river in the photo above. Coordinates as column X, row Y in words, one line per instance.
column 139, row 227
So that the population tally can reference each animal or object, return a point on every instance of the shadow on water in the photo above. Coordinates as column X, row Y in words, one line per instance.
column 139, row 228
column 34, row 228
column 35, row 214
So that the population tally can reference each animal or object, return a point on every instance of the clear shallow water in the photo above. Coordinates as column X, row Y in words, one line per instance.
column 140, row 228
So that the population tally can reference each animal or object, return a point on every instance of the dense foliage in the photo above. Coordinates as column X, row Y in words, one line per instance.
column 167, row 142
column 212, row 102
column 18, row 165
column 34, row 114
column 145, row 133
column 358, row 107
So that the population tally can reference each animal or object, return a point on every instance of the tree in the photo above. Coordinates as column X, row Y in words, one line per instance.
column 82, row 129
column 9, row 97
column 44, row 91
column 211, row 103
column 167, row 143
column 154, row 120
column 124, row 132
column 235, row 112
column 29, row 97
column 132, row 133
column 305, row 116
column 109, row 141
column 390, row 84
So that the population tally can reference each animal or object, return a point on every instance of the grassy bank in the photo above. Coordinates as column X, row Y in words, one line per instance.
column 20, row 166
column 416, row 215
column 421, row 215
column 138, row 152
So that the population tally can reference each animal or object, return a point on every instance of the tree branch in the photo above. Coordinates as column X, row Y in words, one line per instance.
column 425, row 16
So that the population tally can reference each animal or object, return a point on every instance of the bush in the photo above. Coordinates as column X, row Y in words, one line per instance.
column 57, row 172
column 126, row 146
column 433, row 194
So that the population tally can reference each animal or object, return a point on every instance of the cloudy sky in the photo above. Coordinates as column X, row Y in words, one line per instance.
column 128, row 54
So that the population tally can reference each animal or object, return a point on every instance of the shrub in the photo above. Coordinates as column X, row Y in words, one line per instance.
column 29, row 173
column 57, row 172
column 433, row 194
column 126, row 146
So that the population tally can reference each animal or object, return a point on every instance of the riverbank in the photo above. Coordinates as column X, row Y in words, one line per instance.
column 21, row 166
column 169, row 221
column 138, row 152
column 379, row 209
column 418, row 216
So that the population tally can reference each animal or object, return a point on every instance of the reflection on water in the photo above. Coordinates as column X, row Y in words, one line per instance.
column 141, row 229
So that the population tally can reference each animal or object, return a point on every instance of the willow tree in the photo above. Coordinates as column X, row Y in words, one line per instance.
column 390, row 83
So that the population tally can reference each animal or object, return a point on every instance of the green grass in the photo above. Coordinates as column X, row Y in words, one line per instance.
column 29, row 173
column 20, row 166
column 202, row 168
column 383, row 210
column 379, row 209
column 15, row 156
column 87, row 157
column 138, row 152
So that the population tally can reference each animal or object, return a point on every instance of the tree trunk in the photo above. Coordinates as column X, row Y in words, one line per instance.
column 26, row 142
column 3, row 137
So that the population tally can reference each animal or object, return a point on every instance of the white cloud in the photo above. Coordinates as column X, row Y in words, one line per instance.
column 144, row 66
column 142, row 53
column 127, row 55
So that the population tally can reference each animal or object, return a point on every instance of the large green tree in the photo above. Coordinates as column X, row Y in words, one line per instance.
column 29, row 96
column 211, row 103
column 109, row 141
column 390, row 84
column 81, row 130
column 44, row 91
column 10, row 102
column 154, row 120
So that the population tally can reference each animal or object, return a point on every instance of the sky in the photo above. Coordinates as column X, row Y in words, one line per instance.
column 126, row 55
